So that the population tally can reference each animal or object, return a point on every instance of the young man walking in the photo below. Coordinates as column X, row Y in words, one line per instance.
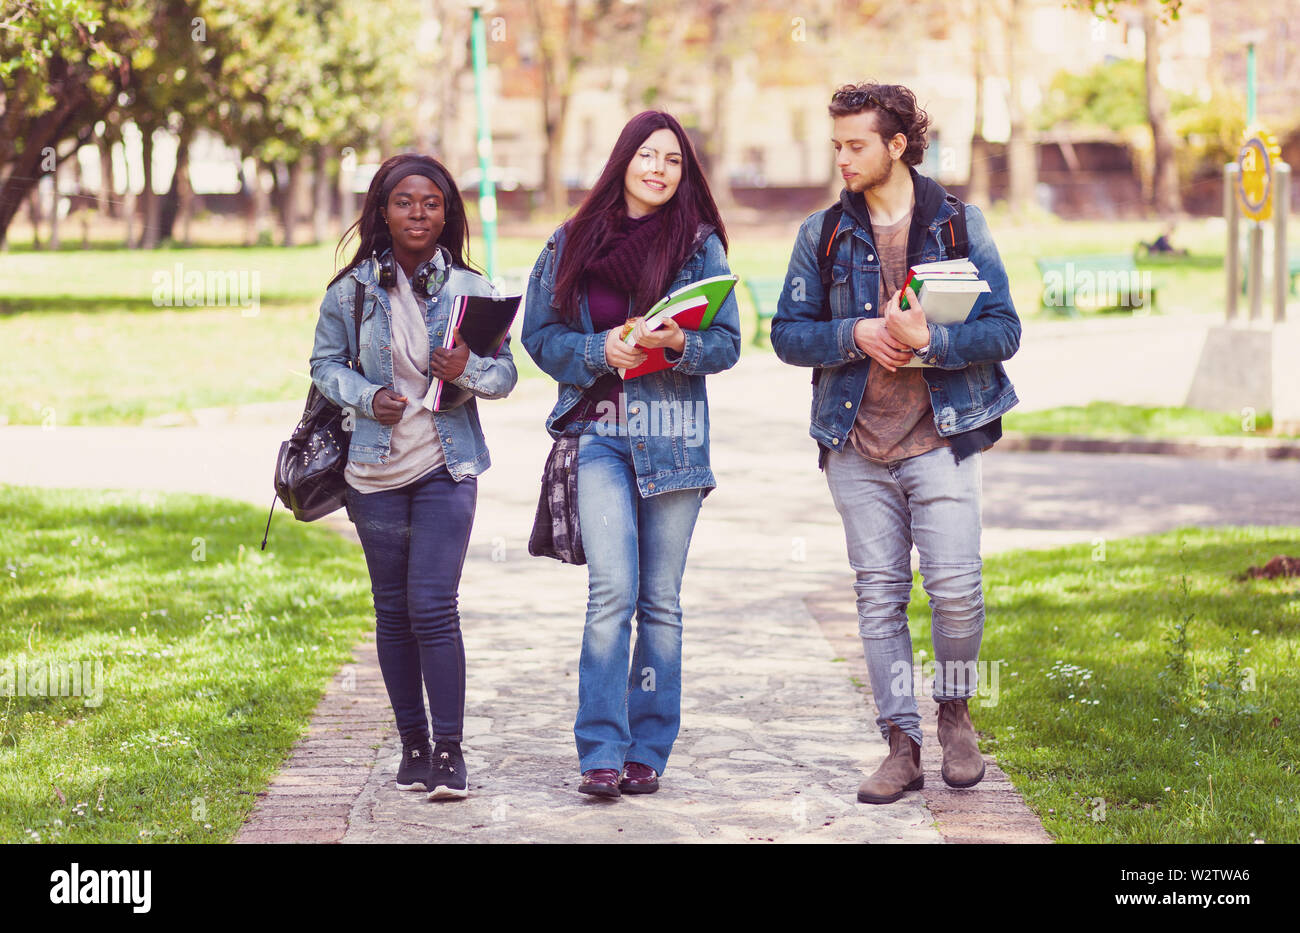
column 901, row 445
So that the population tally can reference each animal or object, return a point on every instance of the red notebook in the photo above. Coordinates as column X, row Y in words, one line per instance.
column 655, row 359
column 693, row 308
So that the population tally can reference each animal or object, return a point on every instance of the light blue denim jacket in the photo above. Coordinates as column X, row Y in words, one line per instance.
column 461, row 435
column 574, row 356
column 968, row 385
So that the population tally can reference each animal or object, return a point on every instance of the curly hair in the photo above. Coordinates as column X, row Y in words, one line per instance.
column 896, row 112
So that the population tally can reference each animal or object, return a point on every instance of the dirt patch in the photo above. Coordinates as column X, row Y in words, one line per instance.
column 1280, row 566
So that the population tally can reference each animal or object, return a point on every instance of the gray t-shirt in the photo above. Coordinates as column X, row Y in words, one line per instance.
column 415, row 447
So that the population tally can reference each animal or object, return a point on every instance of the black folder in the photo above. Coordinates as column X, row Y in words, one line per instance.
column 484, row 322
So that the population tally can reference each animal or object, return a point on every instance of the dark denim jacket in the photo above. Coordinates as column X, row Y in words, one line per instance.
column 968, row 386
column 667, row 411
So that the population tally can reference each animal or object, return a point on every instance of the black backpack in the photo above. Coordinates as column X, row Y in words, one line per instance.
column 310, row 465
column 953, row 234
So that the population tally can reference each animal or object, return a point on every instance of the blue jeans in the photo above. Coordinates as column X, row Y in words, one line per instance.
column 415, row 538
column 885, row 507
column 636, row 555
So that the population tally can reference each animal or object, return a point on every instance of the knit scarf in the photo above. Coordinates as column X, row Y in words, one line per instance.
column 623, row 255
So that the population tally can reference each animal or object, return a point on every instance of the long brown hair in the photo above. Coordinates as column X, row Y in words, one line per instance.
column 604, row 208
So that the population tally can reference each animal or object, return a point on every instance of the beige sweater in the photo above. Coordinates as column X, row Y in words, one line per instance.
column 415, row 448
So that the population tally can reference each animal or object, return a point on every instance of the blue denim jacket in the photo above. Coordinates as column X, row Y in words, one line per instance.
column 666, row 459
column 463, row 445
column 968, row 386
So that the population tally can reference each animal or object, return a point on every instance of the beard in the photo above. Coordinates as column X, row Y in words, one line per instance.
column 872, row 176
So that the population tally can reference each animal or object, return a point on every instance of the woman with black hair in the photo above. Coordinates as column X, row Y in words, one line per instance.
column 412, row 473
column 648, row 227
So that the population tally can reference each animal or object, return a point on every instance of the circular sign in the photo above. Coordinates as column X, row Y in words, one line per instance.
column 1255, row 162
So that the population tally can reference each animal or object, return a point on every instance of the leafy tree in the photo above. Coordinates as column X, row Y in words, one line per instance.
column 60, row 73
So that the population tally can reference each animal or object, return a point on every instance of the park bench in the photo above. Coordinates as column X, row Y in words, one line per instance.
column 763, row 295
column 1094, row 283
column 1292, row 270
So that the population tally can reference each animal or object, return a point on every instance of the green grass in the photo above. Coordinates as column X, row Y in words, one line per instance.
column 83, row 342
column 1111, row 729
column 1110, row 419
column 211, row 667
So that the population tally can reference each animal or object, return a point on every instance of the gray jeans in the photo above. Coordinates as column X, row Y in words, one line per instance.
column 885, row 507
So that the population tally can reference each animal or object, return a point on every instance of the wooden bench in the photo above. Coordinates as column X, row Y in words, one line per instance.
column 763, row 295
column 1095, row 283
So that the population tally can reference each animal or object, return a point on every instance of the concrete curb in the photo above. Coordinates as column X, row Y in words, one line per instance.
column 1204, row 448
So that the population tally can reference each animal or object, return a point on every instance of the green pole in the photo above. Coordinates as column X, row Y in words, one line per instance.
column 1250, row 84
column 487, row 197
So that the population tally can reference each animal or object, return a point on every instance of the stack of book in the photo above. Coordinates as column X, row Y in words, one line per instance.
column 949, row 291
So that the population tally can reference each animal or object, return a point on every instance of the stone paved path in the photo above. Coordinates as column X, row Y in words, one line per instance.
column 775, row 735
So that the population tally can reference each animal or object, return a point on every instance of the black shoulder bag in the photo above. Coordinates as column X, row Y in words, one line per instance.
column 309, row 469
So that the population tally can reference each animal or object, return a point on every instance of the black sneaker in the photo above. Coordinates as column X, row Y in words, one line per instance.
column 416, row 767
column 449, row 780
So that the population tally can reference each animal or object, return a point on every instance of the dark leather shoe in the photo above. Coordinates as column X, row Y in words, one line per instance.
column 600, row 782
column 638, row 779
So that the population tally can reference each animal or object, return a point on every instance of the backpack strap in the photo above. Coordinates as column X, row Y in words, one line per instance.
column 953, row 233
column 356, row 324
column 832, row 221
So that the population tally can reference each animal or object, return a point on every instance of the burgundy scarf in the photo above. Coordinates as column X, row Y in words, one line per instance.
column 623, row 256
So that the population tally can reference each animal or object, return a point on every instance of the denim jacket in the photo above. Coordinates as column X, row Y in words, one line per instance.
column 667, row 411
column 459, row 431
column 968, row 386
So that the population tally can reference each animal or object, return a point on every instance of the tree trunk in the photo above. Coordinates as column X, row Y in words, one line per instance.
column 107, row 192
column 185, row 192
column 1165, row 169
column 720, row 74
column 150, row 201
column 347, row 205
column 267, row 190
column 291, row 198
column 54, row 209
column 557, row 190
column 128, row 197
column 1022, row 153
column 34, row 213
column 557, row 79
column 257, row 208
column 77, row 198
column 321, row 193
column 977, row 191
column 177, row 191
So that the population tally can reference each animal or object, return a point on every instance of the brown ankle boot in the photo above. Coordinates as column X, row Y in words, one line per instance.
column 962, row 764
column 900, row 771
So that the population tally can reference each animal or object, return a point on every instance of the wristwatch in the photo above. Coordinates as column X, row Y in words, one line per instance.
column 920, row 352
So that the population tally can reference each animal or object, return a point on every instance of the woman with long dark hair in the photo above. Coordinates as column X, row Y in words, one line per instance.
column 648, row 227
column 412, row 473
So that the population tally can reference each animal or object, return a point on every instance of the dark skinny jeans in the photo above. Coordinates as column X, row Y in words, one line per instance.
column 415, row 538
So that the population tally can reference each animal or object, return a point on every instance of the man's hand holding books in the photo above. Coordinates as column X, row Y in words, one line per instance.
column 873, row 338
column 907, row 326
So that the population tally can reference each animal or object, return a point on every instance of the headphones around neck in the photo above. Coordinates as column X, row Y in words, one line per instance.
column 430, row 276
